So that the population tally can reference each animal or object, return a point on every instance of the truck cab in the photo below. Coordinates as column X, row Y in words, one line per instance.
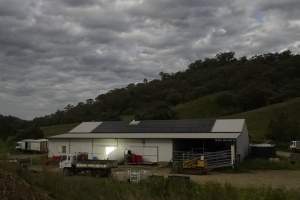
column 66, row 161
column 19, row 146
column 295, row 146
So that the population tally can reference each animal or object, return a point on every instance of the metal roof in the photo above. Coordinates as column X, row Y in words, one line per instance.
column 34, row 140
column 194, row 128
column 85, row 127
column 147, row 136
column 228, row 125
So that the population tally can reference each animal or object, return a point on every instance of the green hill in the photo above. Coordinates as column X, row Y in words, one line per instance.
column 206, row 107
column 203, row 107
column 248, row 83
column 214, row 87
column 258, row 120
column 57, row 129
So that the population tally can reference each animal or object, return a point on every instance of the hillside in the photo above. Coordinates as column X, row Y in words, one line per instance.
column 241, row 84
column 203, row 107
column 57, row 129
column 258, row 120
column 218, row 86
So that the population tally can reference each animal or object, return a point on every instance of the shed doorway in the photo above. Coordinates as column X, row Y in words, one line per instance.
column 217, row 153
column 201, row 145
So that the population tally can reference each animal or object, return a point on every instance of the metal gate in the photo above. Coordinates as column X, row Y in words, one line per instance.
column 214, row 160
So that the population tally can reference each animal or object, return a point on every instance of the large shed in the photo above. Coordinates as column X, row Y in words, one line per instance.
column 155, row 140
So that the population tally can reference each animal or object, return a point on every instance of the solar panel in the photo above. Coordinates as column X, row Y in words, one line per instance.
column 156, row 126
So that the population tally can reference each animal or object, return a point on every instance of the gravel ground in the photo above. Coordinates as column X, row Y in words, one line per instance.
column 272, row 178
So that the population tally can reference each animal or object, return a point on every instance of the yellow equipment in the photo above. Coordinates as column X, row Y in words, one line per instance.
column 195, row 163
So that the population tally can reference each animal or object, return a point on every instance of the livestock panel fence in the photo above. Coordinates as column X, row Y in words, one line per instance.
column 213, row 160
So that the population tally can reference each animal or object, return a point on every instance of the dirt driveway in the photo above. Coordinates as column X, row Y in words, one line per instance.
column 258, row 178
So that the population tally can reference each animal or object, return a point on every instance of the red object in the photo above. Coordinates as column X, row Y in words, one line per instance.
column 82, row 156
column 136, row 159
column 56, row 158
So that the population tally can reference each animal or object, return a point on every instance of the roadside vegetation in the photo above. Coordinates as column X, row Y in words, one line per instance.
column 49, row 185
column 6, row 147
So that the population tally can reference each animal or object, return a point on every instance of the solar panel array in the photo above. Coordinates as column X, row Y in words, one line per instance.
column 157, row 126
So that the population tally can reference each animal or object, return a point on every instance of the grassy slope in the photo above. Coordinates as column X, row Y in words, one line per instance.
column 258, row 120
column 203, row 107
column 57, row 129
column 206, row 107
column 200, row 108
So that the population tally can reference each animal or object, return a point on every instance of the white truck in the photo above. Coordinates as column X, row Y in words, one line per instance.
column 73, row 164
column 295, row 146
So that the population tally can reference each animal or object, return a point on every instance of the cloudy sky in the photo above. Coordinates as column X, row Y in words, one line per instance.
column 55, row 52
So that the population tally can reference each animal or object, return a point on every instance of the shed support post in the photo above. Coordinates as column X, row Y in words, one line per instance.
column 232, row 148
column 92, row 146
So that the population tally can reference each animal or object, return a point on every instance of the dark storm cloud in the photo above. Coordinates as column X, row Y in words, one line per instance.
column 56, row 52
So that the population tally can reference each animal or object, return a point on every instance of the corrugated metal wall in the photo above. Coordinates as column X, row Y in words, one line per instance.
column 243, row 143
column 153, row 150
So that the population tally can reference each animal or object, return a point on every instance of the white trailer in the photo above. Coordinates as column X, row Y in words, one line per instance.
column 39, row 145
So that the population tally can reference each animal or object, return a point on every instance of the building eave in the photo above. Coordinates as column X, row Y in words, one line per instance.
column 218, row 135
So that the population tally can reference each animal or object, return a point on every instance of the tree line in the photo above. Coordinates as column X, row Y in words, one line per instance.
column 248, row 83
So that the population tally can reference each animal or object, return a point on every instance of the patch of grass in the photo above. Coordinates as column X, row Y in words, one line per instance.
column 39, row 160
column 6, row 147
column 57, row 129
column 259, row 119
column 203, row 107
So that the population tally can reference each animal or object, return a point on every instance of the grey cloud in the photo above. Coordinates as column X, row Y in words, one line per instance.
column 56, row 52
column 78, row 3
